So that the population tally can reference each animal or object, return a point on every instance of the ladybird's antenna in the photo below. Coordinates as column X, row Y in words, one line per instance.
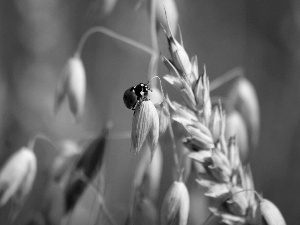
column 162, row 91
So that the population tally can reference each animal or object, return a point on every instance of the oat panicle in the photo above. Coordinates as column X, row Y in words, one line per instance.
column 218, row 146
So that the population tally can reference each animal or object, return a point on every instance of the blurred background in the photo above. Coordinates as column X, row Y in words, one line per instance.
column 38, row 36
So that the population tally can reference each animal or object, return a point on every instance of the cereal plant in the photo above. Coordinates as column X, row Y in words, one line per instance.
column 204, row 140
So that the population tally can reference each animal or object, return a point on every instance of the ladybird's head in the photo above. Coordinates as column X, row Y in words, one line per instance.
column 129, row 98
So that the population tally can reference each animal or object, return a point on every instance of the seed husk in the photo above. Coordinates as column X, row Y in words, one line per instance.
column 85, row 169
column 17, row 175
column 271, row 213
column 176, row 202
column 145, row 125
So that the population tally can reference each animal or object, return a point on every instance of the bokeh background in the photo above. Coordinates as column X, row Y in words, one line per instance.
column 38, row 36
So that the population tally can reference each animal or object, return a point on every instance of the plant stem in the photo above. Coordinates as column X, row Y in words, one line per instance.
column 152, row 71
column 132, row 204
column 33, row 139
column 230, row 75
column 161, row 89
column 175, row 154
column 120, row 135
column 112, row 34
column 208, row 218
column 99, row 198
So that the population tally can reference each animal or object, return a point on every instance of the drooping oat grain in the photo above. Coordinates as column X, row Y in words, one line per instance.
column 145, row 125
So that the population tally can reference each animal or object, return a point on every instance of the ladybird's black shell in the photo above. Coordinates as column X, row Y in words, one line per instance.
column 129, row 98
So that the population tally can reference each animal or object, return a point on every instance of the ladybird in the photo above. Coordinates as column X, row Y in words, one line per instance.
column 135, row 95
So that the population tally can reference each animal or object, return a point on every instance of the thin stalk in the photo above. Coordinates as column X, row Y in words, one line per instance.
column 208, row 218
column 99, row 198
column 232, row 74
column 132, row 202
column 175, row 154
column 152, row 71
column 98, row 216
column 112, row 34
column 33, row 139
column 120, row 136
column 69, row 218
column 242, row 177
column 162, row 91
column 251, row 190
column 94, row 201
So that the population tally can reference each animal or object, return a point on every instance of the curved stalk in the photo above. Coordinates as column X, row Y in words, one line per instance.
column 114, row 35
column 152, row 71
column 223, row 79
column 162, row 91
column 175, row 154
column 33, row 139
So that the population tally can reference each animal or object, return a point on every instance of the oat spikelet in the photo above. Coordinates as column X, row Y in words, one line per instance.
column 176, row 202
column 73, row 86
column 171, row 10
column 215, row 124
column 69, row 151
column 148, row 174
column 164, row 116
column 244, row 98
column 17, row 175
column 180, row 58
column 271, row 213
column 85, row 169
column 145, row 125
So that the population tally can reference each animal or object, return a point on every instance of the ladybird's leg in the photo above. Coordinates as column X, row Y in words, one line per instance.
column 145, row 99
column 138, row 104
column 134, row 106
